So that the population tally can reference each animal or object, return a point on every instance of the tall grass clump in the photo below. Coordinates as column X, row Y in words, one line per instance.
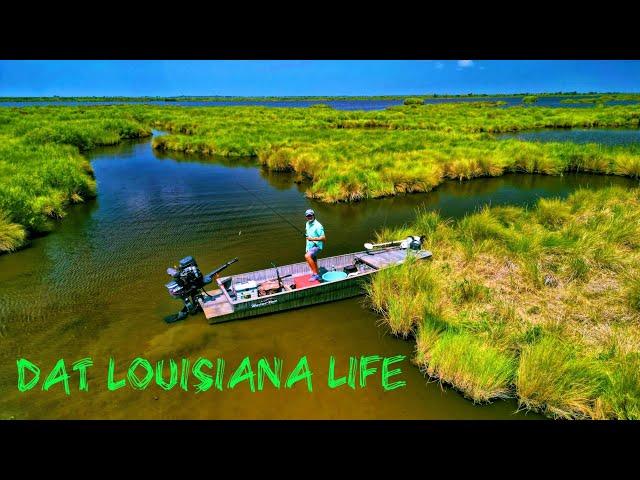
column 405, row 296
column 633, row 294
column 621, row 399
column 12, row 235
column 553, row 212
column 39, row 181
column 553, row 377
column 413, row 101
column 479, row 370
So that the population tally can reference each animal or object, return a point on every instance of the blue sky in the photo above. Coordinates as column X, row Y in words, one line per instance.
column 312, row 77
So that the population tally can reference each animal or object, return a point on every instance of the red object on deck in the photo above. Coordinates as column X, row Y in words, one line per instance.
column 304, row 281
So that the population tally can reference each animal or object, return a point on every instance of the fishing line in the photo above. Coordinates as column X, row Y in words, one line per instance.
column 273, row 210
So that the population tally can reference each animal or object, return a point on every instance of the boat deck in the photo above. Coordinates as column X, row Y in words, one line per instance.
column 295, row 278
column 384, row 259
column 217, row 305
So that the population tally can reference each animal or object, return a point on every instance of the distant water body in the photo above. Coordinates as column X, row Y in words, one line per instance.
column 366, row 104
column 602, row 136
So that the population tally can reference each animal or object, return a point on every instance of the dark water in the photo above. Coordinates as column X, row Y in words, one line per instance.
column 95, row 287
column 602, row 136
column 369, row 104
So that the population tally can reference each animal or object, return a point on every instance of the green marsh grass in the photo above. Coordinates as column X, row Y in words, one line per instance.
column 622, row 392
column 552, row 377
column 12, row 235
column 353, row 155
column 479, row 370
column 405, row 296
column 42, row 170
column 539, row 303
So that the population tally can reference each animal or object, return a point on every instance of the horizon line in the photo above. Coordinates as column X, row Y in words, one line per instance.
column 575, row 92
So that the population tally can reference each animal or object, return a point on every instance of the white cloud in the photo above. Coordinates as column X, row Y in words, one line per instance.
column 465, row 63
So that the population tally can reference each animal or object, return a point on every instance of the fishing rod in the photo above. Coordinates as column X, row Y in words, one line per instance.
column 274, row 211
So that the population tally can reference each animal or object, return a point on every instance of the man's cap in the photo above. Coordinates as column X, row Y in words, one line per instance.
column 309, row 212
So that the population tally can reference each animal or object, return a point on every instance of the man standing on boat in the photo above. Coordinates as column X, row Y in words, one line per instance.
column 315, row 242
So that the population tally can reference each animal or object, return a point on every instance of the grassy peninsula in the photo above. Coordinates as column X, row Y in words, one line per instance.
column 542, row 305
column 348, row 156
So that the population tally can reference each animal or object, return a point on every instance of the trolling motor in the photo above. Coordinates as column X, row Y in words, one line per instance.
column 187, row 285
column 412, row 242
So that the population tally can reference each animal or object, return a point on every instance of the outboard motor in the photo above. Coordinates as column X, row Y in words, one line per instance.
column 186, row 278
column 187, row 285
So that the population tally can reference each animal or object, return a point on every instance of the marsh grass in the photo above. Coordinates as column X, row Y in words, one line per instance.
column 540, row 303
column 42, row 170
column 405, row 296
column 622, row 393
column 633, row 294
column 353, row 155
column 480, row 371
column 553, row 378
column 468, row 291
column 349, row 155
column 12, row 235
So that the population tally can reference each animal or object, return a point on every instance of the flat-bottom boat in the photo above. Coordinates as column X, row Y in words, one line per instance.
column 289, row 286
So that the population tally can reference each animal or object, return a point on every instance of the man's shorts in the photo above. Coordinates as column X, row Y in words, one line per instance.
column 313, row 251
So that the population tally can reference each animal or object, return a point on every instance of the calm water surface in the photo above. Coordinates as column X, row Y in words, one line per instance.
column 95, row 287
column 612, row 136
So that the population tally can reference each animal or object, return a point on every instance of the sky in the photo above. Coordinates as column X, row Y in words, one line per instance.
column 312, row 77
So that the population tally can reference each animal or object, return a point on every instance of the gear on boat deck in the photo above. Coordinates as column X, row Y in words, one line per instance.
column 289, row 286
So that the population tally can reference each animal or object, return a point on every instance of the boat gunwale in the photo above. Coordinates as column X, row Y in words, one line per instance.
column 221, row 281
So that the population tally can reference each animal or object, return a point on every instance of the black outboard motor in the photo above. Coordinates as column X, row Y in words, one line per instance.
column 187, row 285
column 186, row 278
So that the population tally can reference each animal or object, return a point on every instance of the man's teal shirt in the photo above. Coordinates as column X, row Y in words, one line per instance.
column 314, row 229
